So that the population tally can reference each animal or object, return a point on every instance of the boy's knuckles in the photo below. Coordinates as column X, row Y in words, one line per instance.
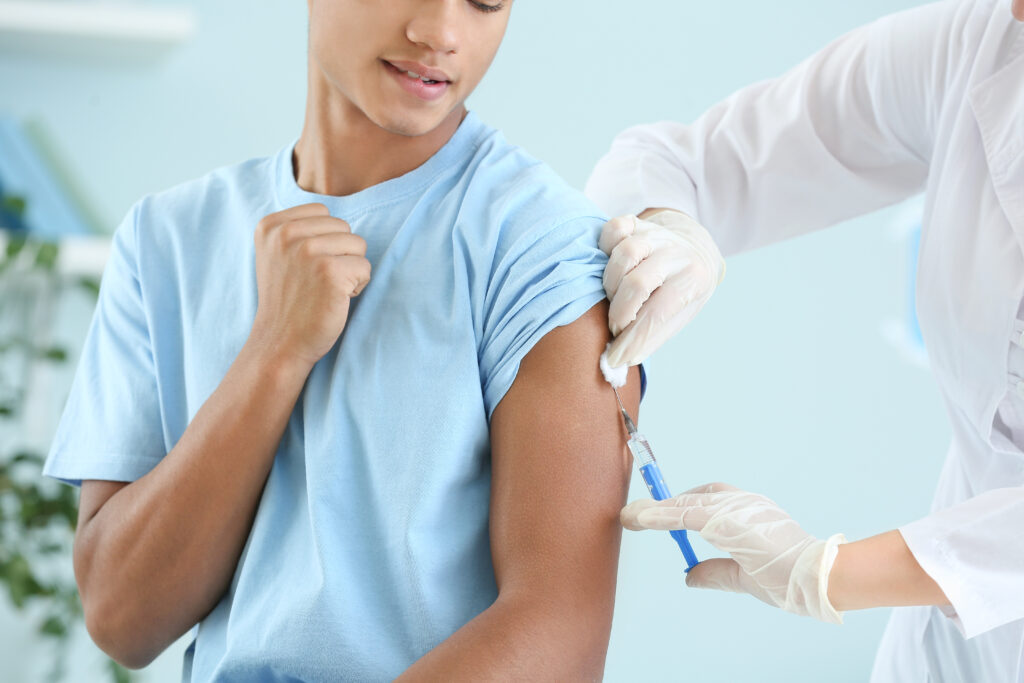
column 290, row 232
column 358, row 245
column 307, row 249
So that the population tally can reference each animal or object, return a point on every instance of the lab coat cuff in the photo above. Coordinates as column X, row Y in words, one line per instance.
column 927, row 544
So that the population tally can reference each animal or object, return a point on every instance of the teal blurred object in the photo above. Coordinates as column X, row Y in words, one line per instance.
column 49, row 212
column 12, row 210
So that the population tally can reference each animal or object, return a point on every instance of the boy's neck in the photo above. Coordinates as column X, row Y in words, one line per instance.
column 342, row 152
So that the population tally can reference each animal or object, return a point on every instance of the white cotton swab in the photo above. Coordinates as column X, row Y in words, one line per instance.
column 614, row 376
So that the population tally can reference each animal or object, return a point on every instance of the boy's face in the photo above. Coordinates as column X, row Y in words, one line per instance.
column 365, row 50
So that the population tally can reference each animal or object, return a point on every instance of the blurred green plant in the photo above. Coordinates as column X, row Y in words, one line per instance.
column 37, row 516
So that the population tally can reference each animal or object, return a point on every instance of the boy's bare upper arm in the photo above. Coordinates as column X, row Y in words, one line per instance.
column 92, row 497
column 560, row 474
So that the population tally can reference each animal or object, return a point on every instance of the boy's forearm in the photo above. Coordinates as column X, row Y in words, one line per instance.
column 535, row 640
column 160, row 552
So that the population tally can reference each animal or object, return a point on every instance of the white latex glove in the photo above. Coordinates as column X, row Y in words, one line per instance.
column 661, row 271
column 773, row 559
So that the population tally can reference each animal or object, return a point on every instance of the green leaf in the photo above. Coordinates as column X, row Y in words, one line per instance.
column 54, row 353
column 14, row 204
column 54, row 626
column 15, row 245
column 46, row 256
column 39, row 510
column 90, row 284
column 50, row 548
column 21, row 583
column 25, row 456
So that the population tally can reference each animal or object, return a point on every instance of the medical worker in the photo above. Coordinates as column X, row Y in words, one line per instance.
column 929, row 100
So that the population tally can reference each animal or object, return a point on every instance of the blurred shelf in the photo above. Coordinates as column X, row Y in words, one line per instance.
column 83, row 256
column 78, row 255
column 78, row 28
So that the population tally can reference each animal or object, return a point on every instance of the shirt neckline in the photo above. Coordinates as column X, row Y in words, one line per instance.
column 466, row 138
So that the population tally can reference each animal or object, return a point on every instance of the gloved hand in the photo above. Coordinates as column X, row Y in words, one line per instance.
column 773, row 559
column 660, row 273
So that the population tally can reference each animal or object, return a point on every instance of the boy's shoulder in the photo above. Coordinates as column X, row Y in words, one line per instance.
column 521, row 190
column 218, row 190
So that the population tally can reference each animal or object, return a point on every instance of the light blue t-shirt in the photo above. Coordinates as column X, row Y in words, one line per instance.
column 370, row 545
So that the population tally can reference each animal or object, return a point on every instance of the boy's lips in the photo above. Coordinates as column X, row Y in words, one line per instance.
column 419, row 80
column 430, row 73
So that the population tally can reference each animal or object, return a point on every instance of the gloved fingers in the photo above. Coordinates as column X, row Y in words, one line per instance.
column 723, row 574
column 635, row 343
column 669, row 516
column 649, row 331
column 690, row 511
column 626, row 256
column 716, row 487
column 639, row 284
column 616, row 230
column 629, row 513
column 694, row 511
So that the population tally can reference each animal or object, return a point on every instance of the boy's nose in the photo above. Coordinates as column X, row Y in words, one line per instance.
column 435, row 25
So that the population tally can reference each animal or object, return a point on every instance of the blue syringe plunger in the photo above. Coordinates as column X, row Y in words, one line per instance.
column 651, row 473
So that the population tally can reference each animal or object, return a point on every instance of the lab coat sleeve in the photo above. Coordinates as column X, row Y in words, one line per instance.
column 975, row 552
column 848, row 131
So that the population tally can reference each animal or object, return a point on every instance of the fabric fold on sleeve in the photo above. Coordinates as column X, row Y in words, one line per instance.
column 548, row 278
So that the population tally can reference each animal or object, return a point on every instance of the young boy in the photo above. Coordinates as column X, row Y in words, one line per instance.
column 341, row 474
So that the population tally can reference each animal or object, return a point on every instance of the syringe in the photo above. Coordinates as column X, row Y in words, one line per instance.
column 651, row 473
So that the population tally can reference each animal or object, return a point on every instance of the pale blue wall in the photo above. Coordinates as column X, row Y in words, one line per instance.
column 785, row 384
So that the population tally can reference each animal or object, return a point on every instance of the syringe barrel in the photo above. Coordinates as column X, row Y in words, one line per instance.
column 659, row 490
column 641, row 451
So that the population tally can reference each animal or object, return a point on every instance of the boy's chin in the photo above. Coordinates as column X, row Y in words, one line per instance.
column 414, row 125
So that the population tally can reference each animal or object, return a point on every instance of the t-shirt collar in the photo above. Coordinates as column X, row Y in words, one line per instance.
column 467, row 136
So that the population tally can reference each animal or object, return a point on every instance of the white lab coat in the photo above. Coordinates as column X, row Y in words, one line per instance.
column 931, row 99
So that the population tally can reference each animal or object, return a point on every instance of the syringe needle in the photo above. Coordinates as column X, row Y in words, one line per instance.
column 618, row 399
column 630, row 427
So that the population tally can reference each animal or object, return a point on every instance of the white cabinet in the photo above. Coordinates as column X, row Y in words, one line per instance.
column 94, row 28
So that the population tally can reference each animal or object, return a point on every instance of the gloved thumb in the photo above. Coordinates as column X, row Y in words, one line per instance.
column 640, row 337
column 721, row 574
column 627, row 348
column 725, row 574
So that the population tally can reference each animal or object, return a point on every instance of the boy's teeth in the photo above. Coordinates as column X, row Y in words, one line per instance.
column 413, row 74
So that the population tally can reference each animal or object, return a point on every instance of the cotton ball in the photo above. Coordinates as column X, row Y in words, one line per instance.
column 614, row 376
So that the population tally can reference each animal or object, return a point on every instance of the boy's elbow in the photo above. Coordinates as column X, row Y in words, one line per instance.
column 110, row 618
column 567, row 638
column 587, row 654
column 593, row 650
column 123, row 644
